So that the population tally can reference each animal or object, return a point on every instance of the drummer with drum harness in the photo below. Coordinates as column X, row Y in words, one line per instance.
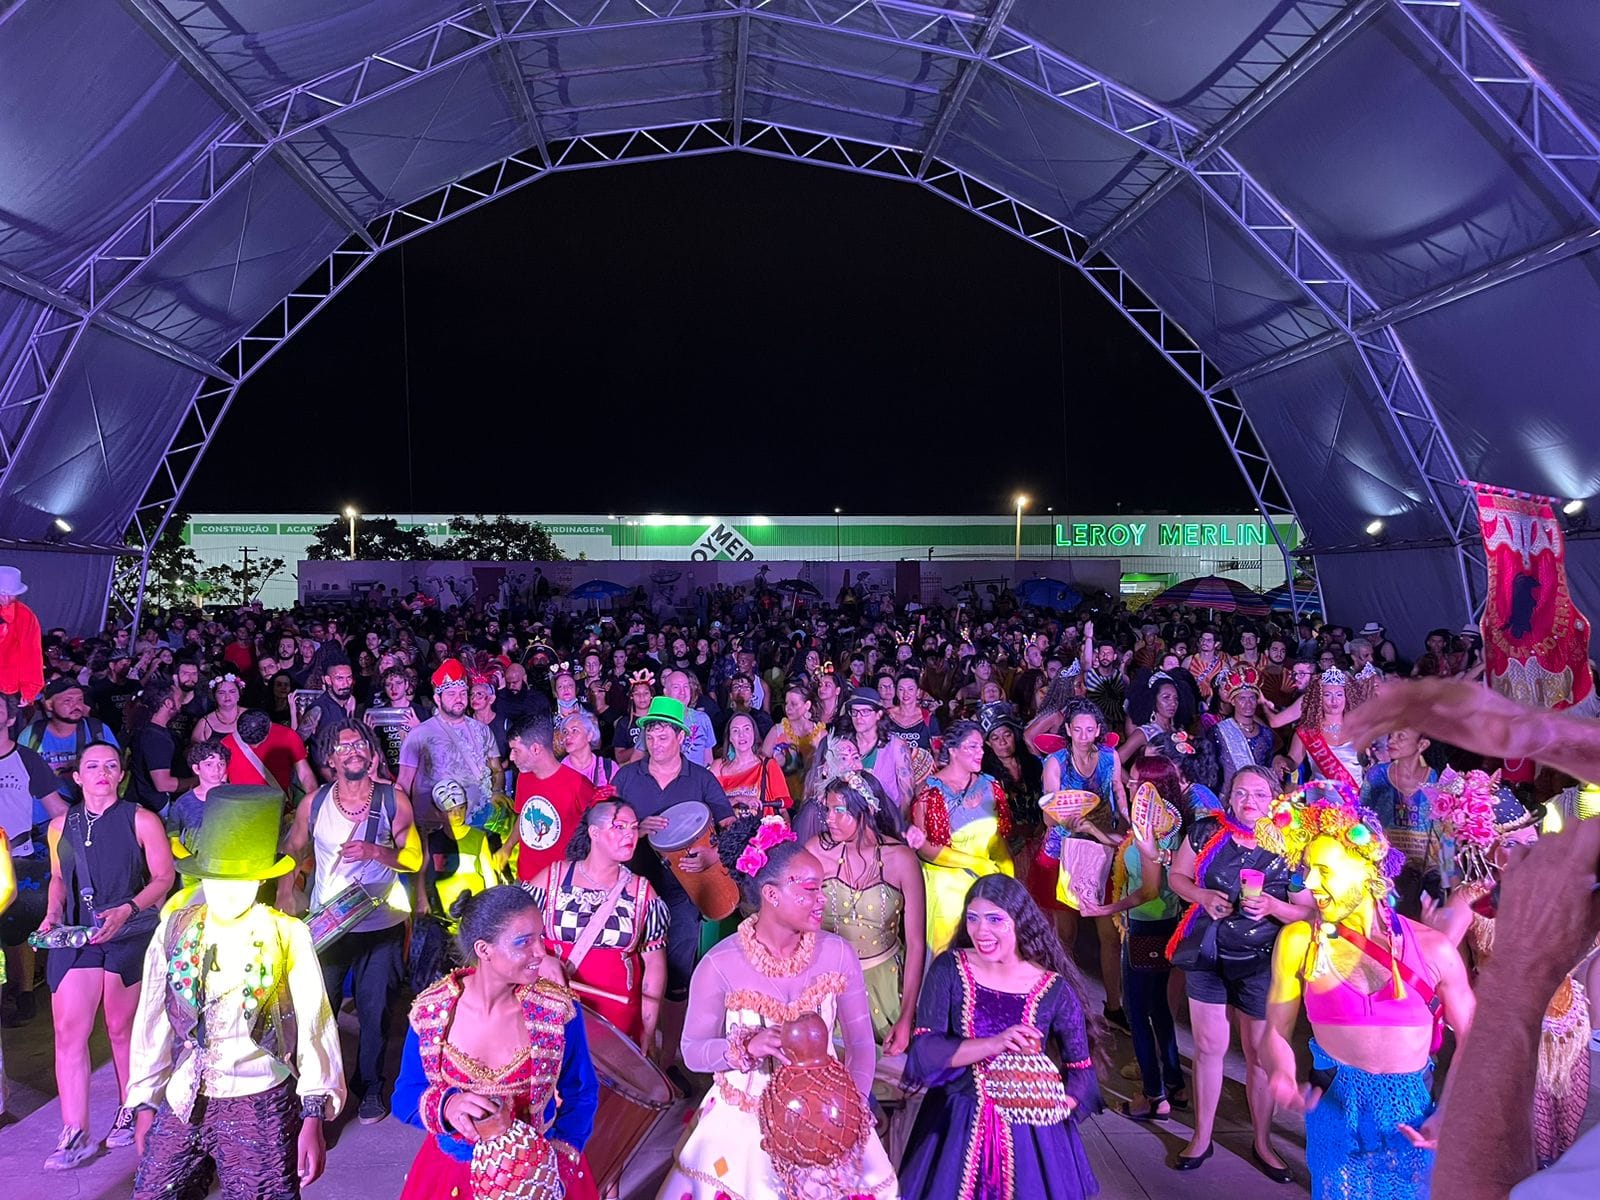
column 361, row 836
column 665, row 779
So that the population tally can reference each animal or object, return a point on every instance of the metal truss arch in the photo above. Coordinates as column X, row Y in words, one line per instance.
column 212, row 401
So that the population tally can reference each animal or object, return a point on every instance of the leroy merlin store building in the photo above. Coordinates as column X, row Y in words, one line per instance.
column 1153, row 550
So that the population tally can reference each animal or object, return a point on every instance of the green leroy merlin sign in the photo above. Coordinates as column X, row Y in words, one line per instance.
column 1139, row 534
column 721, row 540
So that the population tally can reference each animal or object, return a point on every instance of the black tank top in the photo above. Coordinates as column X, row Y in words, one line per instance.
column 116, row 860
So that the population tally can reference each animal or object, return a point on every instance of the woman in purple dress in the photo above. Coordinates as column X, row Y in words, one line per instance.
column 1001, row 1118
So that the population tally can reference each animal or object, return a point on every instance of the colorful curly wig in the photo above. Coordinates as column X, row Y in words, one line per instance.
column 1332, row 810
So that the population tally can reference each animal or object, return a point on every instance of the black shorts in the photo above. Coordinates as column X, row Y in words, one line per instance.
column 123, row 958
column 1243, row 988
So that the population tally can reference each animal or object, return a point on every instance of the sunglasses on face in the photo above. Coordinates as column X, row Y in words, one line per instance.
column 350, row 748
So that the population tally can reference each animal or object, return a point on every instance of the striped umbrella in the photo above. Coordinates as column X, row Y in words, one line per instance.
column 1218, row 594
column 1305, row 591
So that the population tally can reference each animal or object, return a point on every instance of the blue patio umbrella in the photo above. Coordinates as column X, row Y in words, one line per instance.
column 1048, row 593
column 598, row 589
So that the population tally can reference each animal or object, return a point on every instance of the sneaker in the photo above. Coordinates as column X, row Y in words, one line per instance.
column 73, row 1150
column 373, row 1109
column 121, row 1130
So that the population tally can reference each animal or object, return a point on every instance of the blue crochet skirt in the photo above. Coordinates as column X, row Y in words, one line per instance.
column 1353, row 1143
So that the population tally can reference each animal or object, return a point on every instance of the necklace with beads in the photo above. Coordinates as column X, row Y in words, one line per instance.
column 361, row 808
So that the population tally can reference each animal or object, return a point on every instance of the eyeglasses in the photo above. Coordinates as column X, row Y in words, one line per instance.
column 349, row 747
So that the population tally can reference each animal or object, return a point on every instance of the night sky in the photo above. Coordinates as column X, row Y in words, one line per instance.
column 728, row 333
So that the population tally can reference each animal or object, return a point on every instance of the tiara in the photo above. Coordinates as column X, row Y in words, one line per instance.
column 1234, row 681
column 1334, row 677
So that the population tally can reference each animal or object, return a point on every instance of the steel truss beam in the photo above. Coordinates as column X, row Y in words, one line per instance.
column 211, row 402
column 1494, row 71
column 508, row 73
column 951, row 108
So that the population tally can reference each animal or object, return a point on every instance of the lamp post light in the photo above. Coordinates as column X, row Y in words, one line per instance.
column 351, row 514
column 838, row 537
column 1021, row 501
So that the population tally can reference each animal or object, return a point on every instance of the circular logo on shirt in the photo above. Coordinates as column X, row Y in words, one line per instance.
column 538, row 824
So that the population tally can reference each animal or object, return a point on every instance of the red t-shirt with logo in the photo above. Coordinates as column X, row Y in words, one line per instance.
column 548, row 811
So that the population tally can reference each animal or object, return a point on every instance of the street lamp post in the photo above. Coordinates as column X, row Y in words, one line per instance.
column 351, row 514
column 838, row 539
column 1021, row 500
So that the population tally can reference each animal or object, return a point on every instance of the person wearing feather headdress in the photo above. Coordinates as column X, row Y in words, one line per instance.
column 1374, row 985
column 1487, row 827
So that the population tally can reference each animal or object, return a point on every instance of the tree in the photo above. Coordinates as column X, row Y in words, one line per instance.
column 499, row 539
column 175, row 578
column 376, row 538
column 243, row 583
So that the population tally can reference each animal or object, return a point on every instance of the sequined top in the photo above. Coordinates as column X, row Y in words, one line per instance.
column 868, row 918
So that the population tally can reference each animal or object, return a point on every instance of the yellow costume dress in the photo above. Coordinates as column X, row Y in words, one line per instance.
column 970, row 828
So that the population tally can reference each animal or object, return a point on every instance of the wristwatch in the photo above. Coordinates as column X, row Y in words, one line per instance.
column 313, row 1108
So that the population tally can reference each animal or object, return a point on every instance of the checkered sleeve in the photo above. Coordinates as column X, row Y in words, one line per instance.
column 655, row 925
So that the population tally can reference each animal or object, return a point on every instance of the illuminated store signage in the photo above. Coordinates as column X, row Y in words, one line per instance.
column 1136, row 534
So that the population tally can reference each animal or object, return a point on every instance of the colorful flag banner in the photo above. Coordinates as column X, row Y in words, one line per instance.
column 1535, row 641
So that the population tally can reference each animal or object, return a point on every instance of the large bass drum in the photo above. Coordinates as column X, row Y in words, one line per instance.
column 634, row 1096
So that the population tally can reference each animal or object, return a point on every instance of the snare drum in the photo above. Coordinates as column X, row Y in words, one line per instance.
column 634, row 1095
column 689, row 827
column 341, row 914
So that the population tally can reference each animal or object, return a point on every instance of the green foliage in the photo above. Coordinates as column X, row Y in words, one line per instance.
column 498, row 539
column 377, row 538
column 175, row 576
column 238, row 584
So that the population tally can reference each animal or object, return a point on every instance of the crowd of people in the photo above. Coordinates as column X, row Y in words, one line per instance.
column 689, row 833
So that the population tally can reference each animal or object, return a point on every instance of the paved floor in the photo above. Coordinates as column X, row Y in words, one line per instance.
column 369, row 1162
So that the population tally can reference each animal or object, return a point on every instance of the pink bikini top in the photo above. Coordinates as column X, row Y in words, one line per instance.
column 1342, row 1003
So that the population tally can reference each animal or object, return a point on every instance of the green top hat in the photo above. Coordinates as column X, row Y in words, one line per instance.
column 238, row 838
column 668, row 711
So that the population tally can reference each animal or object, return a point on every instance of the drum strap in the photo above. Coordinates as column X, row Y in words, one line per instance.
column 597, row 920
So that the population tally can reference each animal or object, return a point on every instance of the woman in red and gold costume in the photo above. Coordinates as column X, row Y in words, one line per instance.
column 496, row 1068
column 778, row 967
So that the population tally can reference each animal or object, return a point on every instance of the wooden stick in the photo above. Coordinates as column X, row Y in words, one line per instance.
column 598, row 993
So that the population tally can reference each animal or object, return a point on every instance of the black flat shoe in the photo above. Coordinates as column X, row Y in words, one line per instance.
column 1117, row 1018
column 1187, row 1163
column 1153, row 1113
column 1276, row 1174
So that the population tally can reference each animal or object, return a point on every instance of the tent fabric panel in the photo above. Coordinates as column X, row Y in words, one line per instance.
column 267, row 47
column 18, row 315
column 257, row 240
column 625, row 118
column 1197, row 59
column 901, row 88
column 1407, row 590
column 107, row 423
column 1560, row 40
column 1209, row 275
column 110, row 119
column 65, row 590
column 1337, row 451
column 1401, row 176
column 1512, row 375
column 1037, row 151
column 383, row 154
column 609, row 79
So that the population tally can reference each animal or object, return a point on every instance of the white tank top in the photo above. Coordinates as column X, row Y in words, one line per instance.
column 333, row 874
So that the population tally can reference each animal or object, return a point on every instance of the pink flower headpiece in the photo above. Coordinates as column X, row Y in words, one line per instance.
column 773, row 831
column 1465, row 803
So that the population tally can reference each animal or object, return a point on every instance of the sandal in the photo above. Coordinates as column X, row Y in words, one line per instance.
column 1153, row 1113
column 1180, row 1098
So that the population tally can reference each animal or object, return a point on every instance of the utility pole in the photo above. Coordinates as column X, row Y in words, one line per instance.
column 244, row 575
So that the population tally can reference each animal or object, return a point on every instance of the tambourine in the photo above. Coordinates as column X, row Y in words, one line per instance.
column 1152, row 815
column 1069, row 806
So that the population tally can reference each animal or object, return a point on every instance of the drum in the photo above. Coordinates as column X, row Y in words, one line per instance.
column 689, row 827
column 341, row 914
column 634, row 1095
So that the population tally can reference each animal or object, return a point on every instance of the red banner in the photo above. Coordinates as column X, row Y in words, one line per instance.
column 1535, row 641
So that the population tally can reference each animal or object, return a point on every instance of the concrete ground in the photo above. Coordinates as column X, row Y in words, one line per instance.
column 369, row 1162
